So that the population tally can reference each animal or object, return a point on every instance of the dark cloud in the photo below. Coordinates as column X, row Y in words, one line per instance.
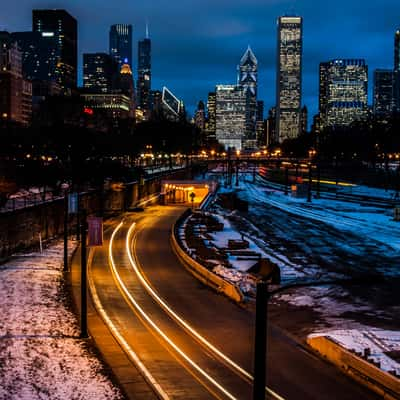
column 197, row 44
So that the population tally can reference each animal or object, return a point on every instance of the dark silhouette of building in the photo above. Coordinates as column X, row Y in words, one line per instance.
column 121, row 44
column 144, row 75
column 98, row 72
column 383, row 101
column 200, row 117
column 289, row 77
column 62, row 29
column 272, row 137
column 396, row 85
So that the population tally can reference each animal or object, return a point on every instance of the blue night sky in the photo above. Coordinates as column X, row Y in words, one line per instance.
column 198, row 44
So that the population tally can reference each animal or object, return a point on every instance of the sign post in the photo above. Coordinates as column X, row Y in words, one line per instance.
column 192, row 196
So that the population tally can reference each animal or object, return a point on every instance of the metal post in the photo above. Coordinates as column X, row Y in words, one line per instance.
column 237, row 173
column 318, row 181
column 78, row 228
column 260, row 348
column 65, row 231
column 254, row 173
column 309, row 183
column 286, row 181
column 84, row 329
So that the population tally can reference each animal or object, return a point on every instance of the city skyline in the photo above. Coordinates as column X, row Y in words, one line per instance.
column 192, row 64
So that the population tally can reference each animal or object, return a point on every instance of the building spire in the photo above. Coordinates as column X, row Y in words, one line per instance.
column 147, row 29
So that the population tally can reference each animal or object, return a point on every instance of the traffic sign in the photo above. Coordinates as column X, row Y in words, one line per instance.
column 95, row 231
column 73, row 203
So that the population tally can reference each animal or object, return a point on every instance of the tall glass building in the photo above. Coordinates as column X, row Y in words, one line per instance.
column 62, row 31
column 230, row 113
column 98, row 72
column 248, row 80
column 289, row 81
column 121, row 44
column 144, row 75
column 343, row 92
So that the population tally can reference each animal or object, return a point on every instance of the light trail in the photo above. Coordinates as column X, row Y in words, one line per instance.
column 182, row 322
column 120, row 339
column 147, row 318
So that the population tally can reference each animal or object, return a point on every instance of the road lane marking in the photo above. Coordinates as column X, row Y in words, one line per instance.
column 120, row 339
column 147, row 318
column 182, row 322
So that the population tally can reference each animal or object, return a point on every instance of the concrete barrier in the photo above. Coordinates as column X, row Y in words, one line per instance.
column 381, row 382
column 199, row 271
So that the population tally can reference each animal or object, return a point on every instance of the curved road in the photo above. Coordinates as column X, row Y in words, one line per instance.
column 183, row 367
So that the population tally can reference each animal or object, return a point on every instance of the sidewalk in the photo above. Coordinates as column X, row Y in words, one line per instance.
column 126, row 374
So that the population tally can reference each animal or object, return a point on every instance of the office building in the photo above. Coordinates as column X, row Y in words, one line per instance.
column 230, row 111
column 289, row 77
column 121, row 44
column 211, row 116
column 144, row 75
column 343, row 92
column 248, row 80
column 200, row 117
column 15, row 91
column 62, row 31
column 98, row 72
column 383, row 101
column 271, row 136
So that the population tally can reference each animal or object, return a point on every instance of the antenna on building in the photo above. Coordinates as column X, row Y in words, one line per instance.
column 147, row 29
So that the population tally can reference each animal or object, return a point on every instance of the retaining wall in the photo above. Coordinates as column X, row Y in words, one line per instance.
column 381, row 382
column 23, row 228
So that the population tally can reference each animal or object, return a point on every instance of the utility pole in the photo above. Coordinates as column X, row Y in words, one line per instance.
column 309, row 183
column 84, row 328
column 65, row 231
column 286, row 180
column 260, row 349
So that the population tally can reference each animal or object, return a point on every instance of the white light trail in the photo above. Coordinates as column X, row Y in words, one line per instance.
column 155, row 326
column 182, row 322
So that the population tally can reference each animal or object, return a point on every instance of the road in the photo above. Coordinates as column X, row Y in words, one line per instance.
column 183, row 366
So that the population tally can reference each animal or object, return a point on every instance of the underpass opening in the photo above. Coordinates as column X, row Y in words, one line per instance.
column 190, row 193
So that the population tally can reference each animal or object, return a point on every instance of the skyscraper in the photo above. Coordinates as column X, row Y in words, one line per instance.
column 144, row 75
column 343, row 92
column 15, row 91
column 383, row 101
column 62, row 28
column 98, row 72
column 121, row 44
column 396, row 83
column 289, row 81
column 230, row 110
column 248, row 79
column 211, row 116
column 200, row 116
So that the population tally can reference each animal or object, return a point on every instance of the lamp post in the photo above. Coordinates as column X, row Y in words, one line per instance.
column 309, row 192
column 84, row 325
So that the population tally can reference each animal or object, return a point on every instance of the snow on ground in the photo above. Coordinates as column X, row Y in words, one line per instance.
column 376, row 223
column 41, row 355
column 381, row 343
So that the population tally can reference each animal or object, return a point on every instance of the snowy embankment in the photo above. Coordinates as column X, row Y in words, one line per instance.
column 41, row 355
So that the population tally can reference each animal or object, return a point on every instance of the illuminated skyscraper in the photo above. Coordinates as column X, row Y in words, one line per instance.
column 144, row 74
column 62, row 31
column 231, row 103
column 248, row 79
column 211, row 115
column 121, row 44
column 289, row 82
column 343, row 92
column 98, row 72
